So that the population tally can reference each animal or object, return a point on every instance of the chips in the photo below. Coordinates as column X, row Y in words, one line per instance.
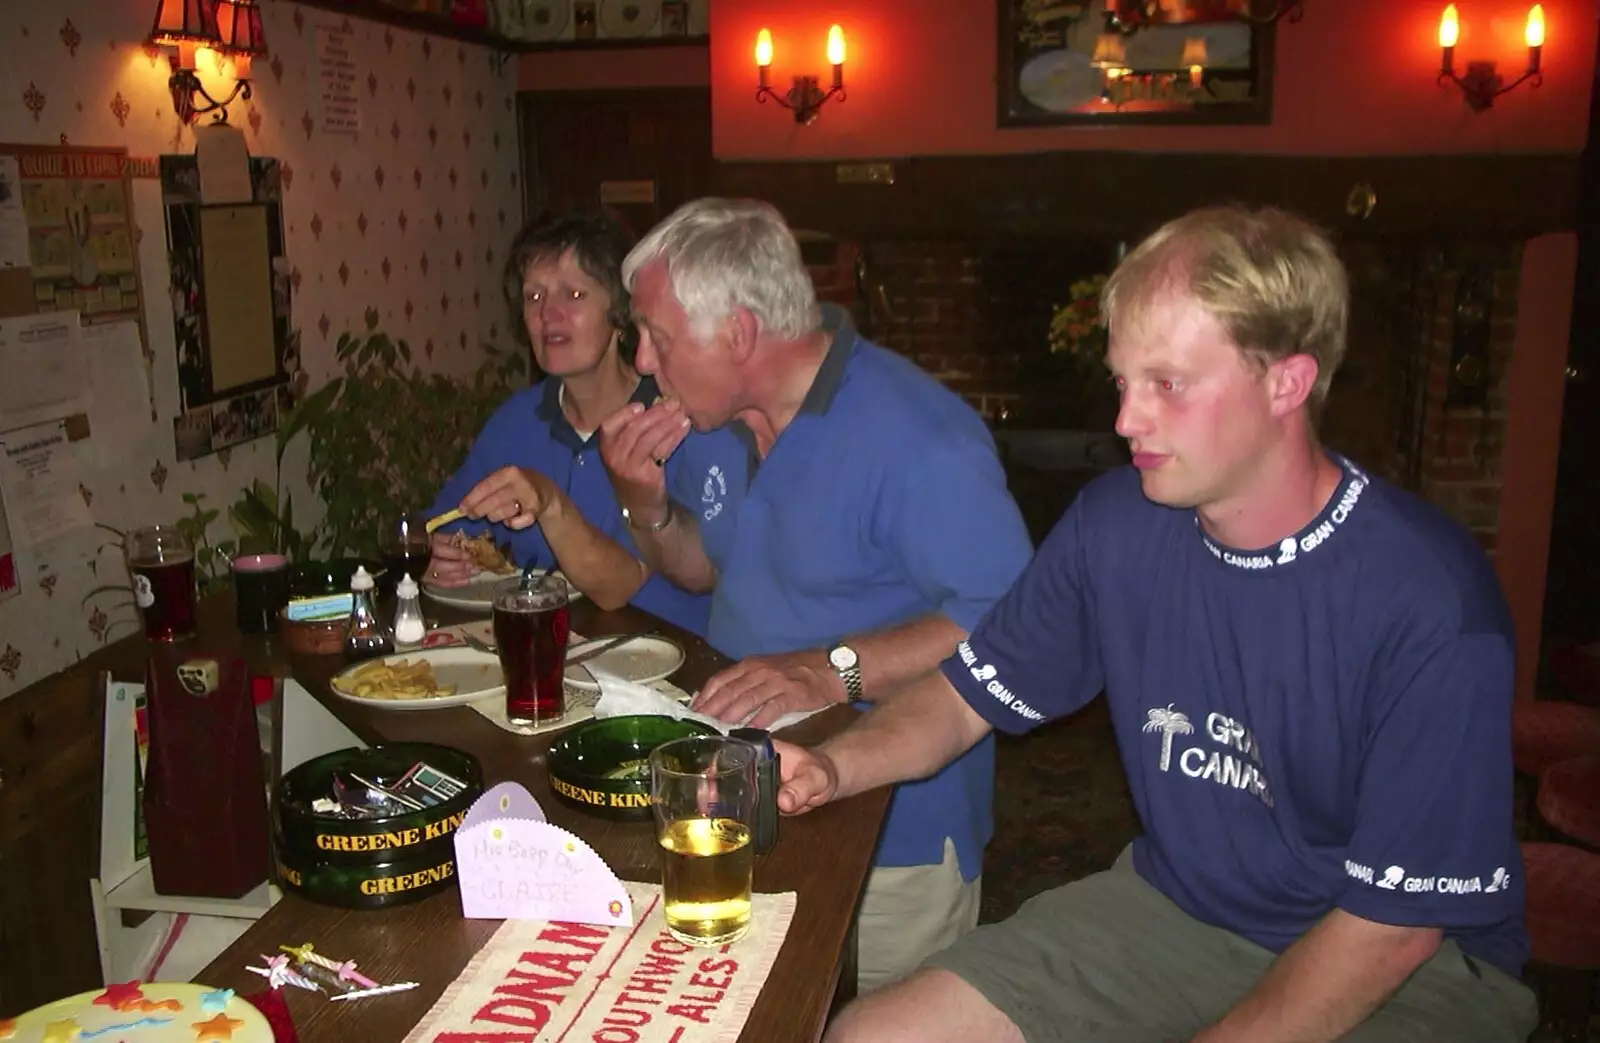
column 393, row 679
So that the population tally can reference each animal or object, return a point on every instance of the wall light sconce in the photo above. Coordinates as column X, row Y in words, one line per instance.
column 805, row 98
column 1482, row 84
column 1129, row 16
column 231, row 28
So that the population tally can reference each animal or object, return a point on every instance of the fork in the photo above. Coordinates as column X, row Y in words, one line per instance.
column 479, row 644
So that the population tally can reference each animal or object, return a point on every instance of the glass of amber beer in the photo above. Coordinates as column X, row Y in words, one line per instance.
column 703, row 791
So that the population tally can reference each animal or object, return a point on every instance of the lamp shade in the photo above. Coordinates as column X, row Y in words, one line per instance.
column 239, row 27
column 1194, row 52
column 185, row 22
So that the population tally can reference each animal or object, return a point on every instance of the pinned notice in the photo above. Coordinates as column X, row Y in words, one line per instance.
column 513, row 864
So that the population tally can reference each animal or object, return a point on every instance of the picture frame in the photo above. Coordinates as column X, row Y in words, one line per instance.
column 1054, row 70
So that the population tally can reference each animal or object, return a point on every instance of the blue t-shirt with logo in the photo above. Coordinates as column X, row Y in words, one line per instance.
column 1321, row 724
column 883, row 501
column 532, row 431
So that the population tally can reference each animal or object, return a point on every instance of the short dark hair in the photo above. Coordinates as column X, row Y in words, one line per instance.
column 598, row 243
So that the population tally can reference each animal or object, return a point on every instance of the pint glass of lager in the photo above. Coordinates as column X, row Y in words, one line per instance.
column 704, row 792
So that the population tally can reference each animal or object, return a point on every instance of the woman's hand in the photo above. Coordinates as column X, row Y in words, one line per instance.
column 515, row 497
column 451, row 565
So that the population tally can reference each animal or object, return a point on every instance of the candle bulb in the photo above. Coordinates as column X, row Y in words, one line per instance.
column 763, row 54
column 836, row 55
column 1449, row 34
column 1534, row 36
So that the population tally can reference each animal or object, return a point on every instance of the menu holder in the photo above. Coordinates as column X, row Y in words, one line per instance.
column 513, row 864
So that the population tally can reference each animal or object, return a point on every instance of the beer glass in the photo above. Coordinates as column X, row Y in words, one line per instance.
column 530, row 635
column 161, row 566
column 703, row 790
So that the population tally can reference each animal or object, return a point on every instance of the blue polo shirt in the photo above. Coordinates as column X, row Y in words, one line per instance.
column 531, row 430
column 1320, row 724
column 883, row 501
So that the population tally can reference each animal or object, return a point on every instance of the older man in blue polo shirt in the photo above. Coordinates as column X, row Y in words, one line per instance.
column 847, row 513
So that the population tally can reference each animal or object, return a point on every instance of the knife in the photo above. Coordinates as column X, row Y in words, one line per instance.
column 590, row 650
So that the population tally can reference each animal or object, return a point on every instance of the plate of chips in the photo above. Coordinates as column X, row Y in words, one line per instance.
column 427, row 680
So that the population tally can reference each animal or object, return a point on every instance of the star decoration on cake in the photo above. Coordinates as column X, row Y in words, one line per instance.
column 120, row 997
column 8, row 1028
column 146, row 1006
column 214, row 1001
column 60, row 1032
column 219, row 1027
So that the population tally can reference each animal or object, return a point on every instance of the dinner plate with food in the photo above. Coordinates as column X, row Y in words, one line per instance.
column 494, row 565
column 427, row 680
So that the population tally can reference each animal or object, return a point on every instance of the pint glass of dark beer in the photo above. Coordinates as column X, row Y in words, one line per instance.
column 161, row 566
column 530, row 634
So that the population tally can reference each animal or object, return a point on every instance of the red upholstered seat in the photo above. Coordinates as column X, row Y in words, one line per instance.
column 1569, row 799
column 1576, row 669
column 1563, row 915
column 1548, row 731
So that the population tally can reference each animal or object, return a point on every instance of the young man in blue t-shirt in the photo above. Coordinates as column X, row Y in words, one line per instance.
column 848, row 514
column 1310, row 679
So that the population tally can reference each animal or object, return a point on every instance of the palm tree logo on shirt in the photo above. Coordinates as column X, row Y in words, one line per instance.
column 1168, row 722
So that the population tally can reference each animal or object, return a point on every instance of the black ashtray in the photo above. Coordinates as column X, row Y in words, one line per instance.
column 303, row 835
column 603, row 766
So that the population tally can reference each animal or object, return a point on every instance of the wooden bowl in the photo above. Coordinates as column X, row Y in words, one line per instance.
column 313, row 636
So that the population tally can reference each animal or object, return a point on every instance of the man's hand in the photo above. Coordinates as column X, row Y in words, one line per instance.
column 771, row 686
column 635, row 443
column 450, row 565
column 514, row 496
column 806, row 778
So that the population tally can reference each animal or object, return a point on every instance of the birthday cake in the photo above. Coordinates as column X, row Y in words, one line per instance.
column 132, row 1013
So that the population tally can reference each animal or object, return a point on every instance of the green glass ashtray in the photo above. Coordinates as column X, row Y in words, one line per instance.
column 603, row 766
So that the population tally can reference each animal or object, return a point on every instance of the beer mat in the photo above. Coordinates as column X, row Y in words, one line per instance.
column 580, row 702
column 541, row 982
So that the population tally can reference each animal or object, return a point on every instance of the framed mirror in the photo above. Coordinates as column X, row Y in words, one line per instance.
column 1073, row 62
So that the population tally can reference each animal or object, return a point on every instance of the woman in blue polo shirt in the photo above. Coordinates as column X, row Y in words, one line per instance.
column 534, row 474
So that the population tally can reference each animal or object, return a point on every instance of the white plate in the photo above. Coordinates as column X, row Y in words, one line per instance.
column 642, row 660
column 475, row 675
column 1059, row 81
column 478, row 596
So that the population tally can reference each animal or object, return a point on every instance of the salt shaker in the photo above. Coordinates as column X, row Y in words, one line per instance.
column 367, row 636
column 409, row 629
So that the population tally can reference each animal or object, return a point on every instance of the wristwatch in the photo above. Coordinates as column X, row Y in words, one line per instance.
column 847, row 665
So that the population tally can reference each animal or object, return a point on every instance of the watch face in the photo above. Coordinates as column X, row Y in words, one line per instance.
column 842, row 657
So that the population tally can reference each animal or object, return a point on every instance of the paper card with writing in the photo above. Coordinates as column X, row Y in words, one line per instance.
column 514, row 865
column 535, row 982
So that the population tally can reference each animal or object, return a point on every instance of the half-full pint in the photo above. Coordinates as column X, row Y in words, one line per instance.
column 530, row 634
column 703, row 791
column 706, row 867
column 161, row 566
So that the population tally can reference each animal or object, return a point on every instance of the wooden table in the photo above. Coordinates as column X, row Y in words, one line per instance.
column 823, row 856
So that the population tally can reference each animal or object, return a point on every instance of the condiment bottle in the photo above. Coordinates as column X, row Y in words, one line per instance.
column 409, row 629
column 367, row 636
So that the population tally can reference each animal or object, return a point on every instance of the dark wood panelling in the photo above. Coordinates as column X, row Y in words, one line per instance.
column 50, row 742
column 1123, row 195
column 574, row 140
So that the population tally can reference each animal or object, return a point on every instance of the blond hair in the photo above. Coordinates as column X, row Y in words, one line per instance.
column 1271, row 279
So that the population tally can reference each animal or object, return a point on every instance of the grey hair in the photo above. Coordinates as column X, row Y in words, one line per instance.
column 723, row 254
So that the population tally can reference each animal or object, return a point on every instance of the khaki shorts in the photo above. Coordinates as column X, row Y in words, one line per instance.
column 908, row 914
column 1108, row 959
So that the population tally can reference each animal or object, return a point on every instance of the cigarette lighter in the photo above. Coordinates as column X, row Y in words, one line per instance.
column 766, row 824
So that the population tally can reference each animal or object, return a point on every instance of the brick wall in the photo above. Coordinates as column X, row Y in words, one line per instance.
column 975, row 314
column 1388, row 406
